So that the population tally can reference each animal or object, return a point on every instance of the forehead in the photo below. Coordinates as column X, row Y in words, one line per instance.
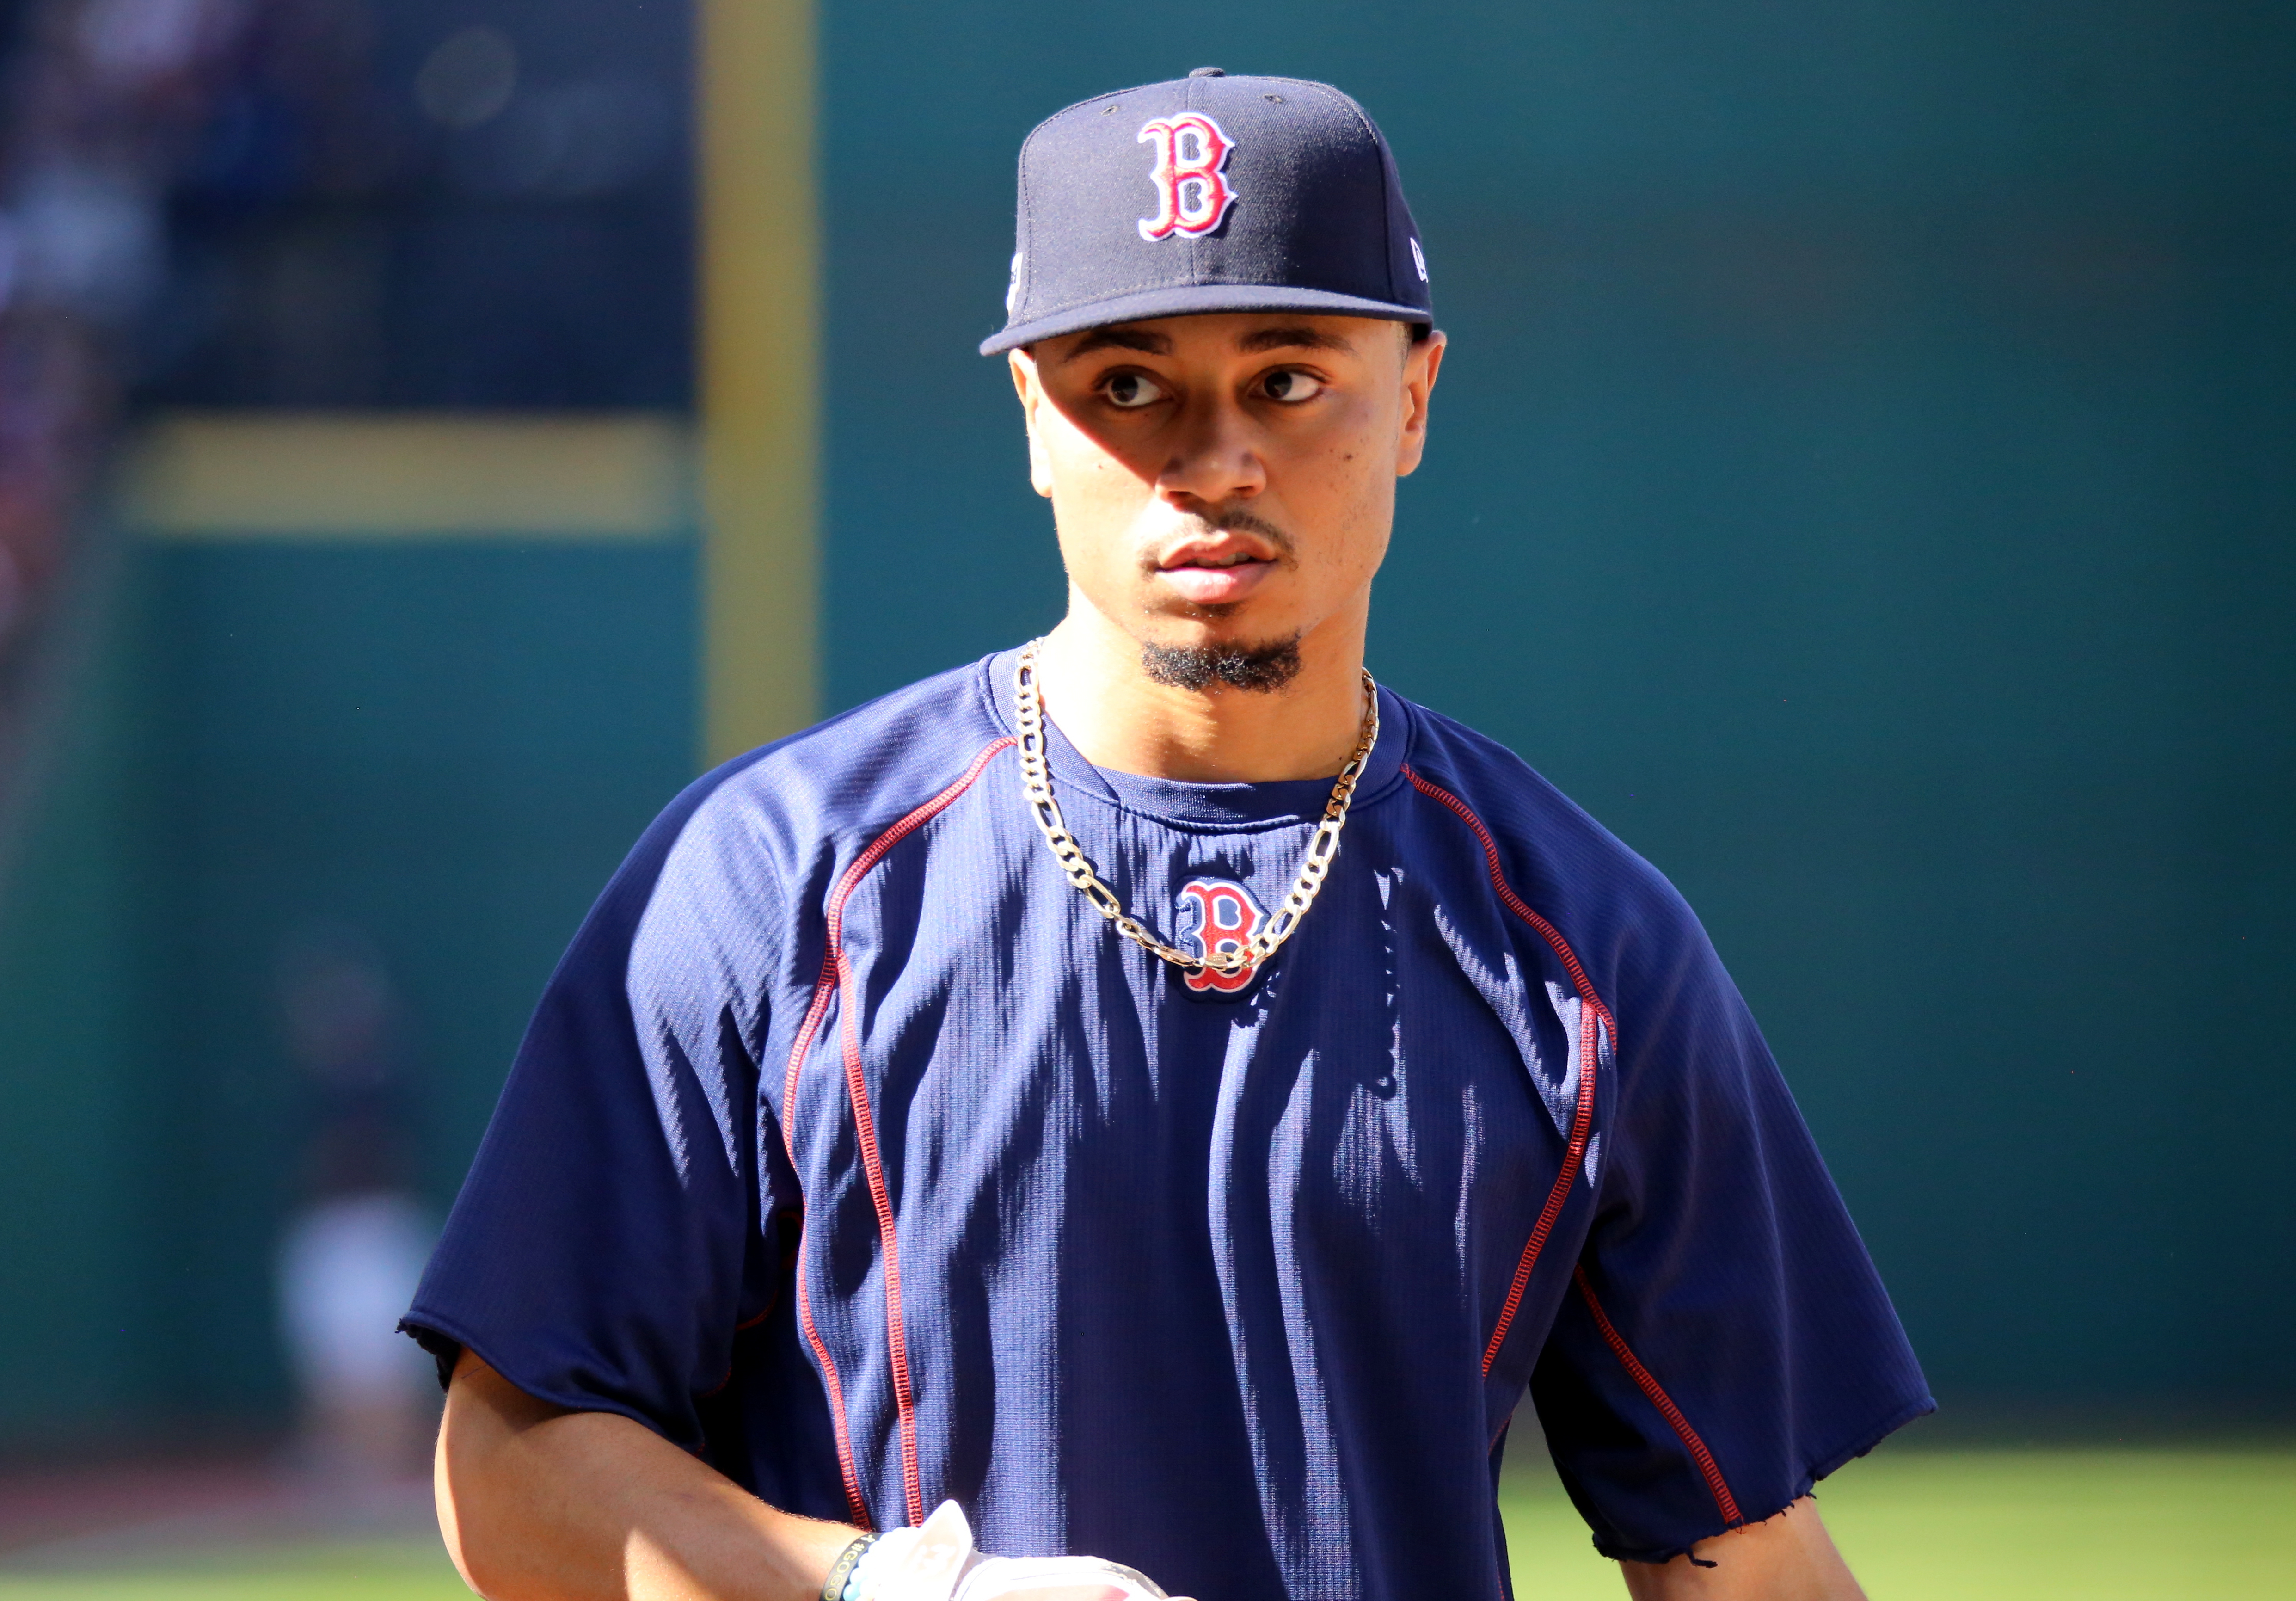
column 1222, row 335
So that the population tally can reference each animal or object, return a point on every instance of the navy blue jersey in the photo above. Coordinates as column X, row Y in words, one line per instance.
column 852, row 1149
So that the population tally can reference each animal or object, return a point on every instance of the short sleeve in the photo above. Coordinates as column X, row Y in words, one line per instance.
column 1727, row 1341
column 614, row 1232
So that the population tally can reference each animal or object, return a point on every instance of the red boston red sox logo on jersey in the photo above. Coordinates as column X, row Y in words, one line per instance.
column 1218, row 915
column 1193, row 193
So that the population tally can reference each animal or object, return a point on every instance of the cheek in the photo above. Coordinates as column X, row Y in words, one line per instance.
column 1359, row 536
column 1087, row 481
column 1346, row 488
column 1096, row 504
column 1368, row 472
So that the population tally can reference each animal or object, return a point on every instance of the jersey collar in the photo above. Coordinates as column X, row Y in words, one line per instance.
column 1202, row 805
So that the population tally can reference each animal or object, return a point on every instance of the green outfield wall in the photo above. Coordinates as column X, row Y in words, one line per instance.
column 1860, row 476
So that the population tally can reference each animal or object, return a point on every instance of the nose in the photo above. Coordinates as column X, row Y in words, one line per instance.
column 1215, row 459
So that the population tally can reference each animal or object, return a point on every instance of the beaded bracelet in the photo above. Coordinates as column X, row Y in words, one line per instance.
column 836, row 1586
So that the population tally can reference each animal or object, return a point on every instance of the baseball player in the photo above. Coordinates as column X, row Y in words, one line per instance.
column 1154, row 1088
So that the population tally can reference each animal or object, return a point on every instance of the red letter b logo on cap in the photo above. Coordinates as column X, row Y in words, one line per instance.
column 1192, row 195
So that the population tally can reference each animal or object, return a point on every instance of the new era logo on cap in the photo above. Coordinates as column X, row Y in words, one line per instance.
column 1210, row 194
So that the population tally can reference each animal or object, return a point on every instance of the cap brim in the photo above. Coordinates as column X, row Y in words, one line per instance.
column 1195, row 300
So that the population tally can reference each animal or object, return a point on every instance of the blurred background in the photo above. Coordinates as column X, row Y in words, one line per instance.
column 431, row 431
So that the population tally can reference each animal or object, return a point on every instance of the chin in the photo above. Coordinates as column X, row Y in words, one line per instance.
column 1262, row 664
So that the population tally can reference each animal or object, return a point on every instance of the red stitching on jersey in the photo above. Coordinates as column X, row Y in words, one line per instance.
column 772, row 1302
column 836, row 976
column 1582, row 1117
column 1515, row 902
column 823, row 988
column 854, row 1502
column 1723, row 1499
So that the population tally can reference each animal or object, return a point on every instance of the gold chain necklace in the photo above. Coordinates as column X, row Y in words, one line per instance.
column 1036, row 784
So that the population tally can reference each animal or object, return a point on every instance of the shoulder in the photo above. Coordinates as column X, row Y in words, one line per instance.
column 741, row 860
column 1557, row 846
column 773, row 825
column 1618, row 915
column 753, row 828
column 1678, row 1021
column 849, row 777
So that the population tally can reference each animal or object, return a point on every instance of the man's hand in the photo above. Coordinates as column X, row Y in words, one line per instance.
column 1788, row 1557
column 541, row 1503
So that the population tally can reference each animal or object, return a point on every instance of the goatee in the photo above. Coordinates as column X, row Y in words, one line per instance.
column 1260, row 668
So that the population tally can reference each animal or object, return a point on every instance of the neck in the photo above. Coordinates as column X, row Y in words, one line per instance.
column 1117, row 716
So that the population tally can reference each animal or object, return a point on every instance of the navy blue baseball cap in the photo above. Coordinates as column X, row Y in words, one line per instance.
column 1210, row 194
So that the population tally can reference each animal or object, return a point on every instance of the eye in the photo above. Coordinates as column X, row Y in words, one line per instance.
column 1291, row 386
column 1131, row 390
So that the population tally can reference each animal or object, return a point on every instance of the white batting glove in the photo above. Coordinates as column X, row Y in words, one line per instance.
column 1054, row 1579
column 937, row 1563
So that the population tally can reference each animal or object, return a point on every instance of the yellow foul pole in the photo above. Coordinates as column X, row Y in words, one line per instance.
column 760, row 359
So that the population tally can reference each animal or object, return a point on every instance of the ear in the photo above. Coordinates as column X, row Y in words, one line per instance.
column 1420, row 363
column 1032, row 396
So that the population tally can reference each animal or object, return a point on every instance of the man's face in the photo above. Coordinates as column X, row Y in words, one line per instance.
column 1223, row 485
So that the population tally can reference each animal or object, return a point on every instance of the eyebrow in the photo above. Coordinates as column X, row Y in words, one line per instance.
column 1119, row 339
column 1296, row 337
column 1302, row 338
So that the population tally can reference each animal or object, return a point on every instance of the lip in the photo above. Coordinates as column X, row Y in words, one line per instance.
column 1216, row 569
column 1217, row 585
